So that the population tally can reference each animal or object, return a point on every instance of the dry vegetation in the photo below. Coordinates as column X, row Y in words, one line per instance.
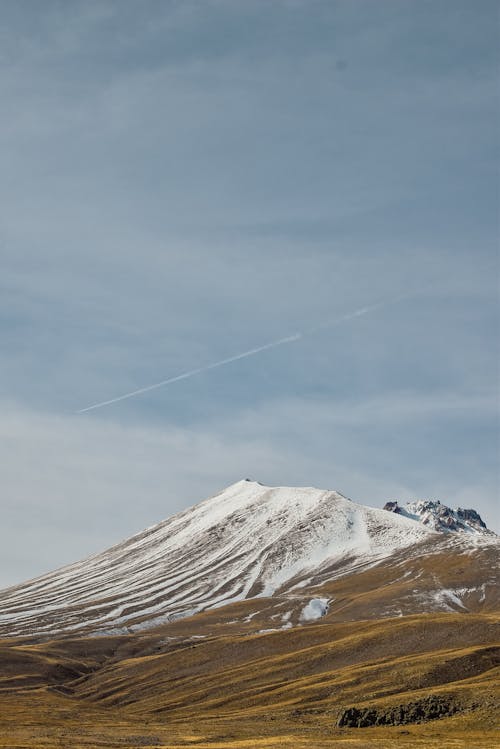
column 214, row 680
column 280, row 689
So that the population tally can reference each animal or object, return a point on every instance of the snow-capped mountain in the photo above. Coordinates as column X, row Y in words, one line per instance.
column 248, row 542
column 440, row 517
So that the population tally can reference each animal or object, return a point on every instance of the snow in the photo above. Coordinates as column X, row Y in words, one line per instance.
column 445, row 597
column 266, row 631
column 248, row 541
column 442, row 518
column 450, row 599
column 315, row 609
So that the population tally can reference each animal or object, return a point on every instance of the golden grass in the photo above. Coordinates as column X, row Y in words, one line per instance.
column 283, row 689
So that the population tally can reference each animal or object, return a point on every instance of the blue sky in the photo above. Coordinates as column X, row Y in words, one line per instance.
column 183, row 181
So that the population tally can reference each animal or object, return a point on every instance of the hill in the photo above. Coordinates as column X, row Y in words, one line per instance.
column 263, row 617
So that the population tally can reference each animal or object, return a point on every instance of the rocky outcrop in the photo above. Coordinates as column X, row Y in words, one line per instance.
column 392, row 507
column 440, row 517
column 471, row 516
column 420, row 711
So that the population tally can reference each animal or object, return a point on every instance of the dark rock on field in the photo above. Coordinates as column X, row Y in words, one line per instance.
column 420, row 711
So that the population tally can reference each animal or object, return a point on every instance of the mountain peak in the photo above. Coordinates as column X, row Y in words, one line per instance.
column 248, row 541
column 440, row 517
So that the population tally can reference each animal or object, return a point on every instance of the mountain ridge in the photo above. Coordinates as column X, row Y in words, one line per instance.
column 440, row 517
column 249, row 541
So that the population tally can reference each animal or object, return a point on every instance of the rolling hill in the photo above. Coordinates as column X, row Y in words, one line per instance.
column 262, row 617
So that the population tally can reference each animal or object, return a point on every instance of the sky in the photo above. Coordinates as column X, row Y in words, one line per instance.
column 182, row 182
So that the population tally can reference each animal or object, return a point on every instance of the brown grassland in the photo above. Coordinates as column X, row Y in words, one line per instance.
column 233, row 677
column 229, row 689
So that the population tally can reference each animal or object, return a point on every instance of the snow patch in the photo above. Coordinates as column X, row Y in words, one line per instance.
column 315, row 609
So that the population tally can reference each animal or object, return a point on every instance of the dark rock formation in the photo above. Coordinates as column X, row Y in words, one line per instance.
column 420, row 711
column 440, row 517
column 471, row 516
column 392, row 507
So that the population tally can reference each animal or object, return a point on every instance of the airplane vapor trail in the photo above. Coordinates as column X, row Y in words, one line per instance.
column 193, row 372
column 251, row 352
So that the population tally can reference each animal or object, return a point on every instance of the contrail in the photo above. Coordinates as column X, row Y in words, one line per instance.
column 193, row 372
column 251, row 352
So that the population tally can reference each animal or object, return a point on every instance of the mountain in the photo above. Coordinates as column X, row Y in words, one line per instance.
column 263, row 617
column 440, row 517
column 273, row 557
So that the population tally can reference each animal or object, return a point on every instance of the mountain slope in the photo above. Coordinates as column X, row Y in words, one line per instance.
column 262, row 617
column 247, row 542
column 294, row 688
